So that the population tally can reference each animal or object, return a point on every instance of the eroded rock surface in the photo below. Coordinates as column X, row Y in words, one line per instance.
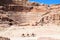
column 29, row 13
column 3, row 38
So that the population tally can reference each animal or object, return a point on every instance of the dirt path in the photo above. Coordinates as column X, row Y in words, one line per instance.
column 34, row 31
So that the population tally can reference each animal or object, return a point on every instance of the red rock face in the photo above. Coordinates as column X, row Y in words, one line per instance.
column 40, row 9
column 20, row 2
column 32, row 12
column 33, row 4
column 5, row 2
column 16, row 8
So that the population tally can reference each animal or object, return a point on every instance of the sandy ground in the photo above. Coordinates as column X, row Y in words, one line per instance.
column 15, row 32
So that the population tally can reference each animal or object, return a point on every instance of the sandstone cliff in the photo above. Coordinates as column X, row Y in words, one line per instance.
column 31, row 13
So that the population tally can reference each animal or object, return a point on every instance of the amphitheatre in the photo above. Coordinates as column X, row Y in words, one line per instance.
column 21, row 18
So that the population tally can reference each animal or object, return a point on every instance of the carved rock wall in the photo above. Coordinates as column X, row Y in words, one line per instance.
column 32, row 14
